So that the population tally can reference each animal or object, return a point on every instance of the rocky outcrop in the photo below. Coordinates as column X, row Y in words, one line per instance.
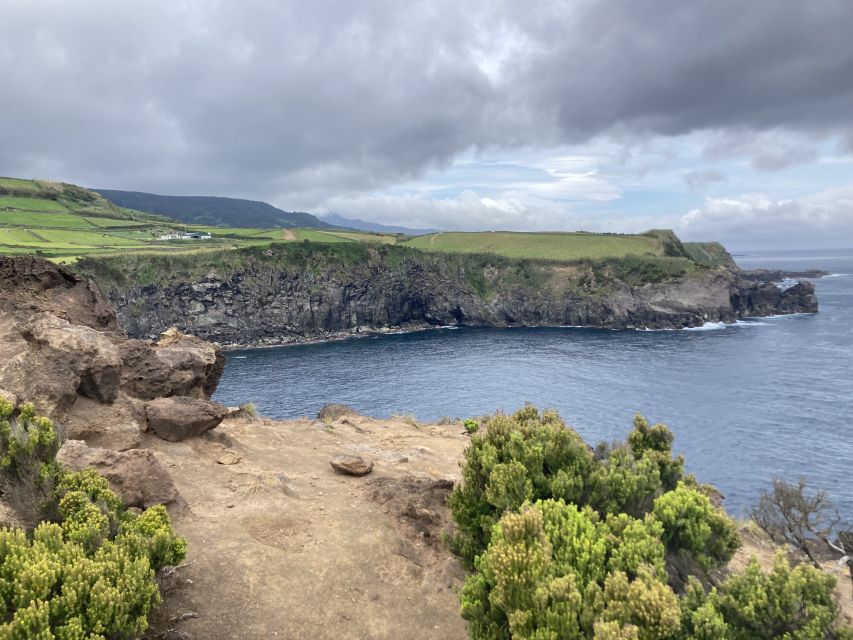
column 179, row 417
column 332, row 412
column 778, row 275
column 30, row 284
column 177, row 364
column 61, row 347
column 273, row 297
column 135, row 475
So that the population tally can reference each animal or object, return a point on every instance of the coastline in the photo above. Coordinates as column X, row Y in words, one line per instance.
column 343, row 336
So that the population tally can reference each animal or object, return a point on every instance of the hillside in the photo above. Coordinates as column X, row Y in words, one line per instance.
column 213, row 210
column 65, row 222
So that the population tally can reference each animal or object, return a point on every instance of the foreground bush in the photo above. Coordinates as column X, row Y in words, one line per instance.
column 553, row 571
column 568, row 543
column 91, row 573
column 88, row 571
column 530, row 456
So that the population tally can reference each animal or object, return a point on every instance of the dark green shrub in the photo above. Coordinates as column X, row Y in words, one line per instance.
column 526, row 456
column 532, row 456
column 556, row 571
column 91, row 573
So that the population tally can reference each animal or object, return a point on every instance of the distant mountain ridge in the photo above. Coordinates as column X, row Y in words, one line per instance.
column 213, row 210
column 366, row 225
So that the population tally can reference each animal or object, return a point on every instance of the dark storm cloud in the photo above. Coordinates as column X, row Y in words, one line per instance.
column 306, row 99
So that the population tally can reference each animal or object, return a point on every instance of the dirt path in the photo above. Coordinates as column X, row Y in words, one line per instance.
column 283, row 547
column 288, row 235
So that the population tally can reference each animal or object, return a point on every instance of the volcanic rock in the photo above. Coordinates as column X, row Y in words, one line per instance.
column 180, row 417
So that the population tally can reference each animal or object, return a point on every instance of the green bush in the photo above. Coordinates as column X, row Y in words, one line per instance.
column 566, row 543
column 691, row 522
column 526, row 456
column 791, row 603
column 556, row 571
column 89, row 575
column 28, row 443
column 531, row 456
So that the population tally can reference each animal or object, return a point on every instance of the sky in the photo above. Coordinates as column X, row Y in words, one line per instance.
column 722, row 119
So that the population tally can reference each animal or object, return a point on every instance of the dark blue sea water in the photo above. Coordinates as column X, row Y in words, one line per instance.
column 747, row 401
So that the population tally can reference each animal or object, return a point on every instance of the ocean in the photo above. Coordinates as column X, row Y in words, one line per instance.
column 764, row 397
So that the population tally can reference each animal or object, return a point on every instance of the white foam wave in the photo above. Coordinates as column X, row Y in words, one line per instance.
column 709, row 326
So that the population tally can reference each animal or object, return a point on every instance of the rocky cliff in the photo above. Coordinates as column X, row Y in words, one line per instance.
column 296, row 292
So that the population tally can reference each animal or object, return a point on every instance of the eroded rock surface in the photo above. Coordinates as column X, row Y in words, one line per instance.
column 135, row 475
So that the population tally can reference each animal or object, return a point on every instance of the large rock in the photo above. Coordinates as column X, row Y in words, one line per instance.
column 177, row 364
column 135, row 475
column 89, row 354
column 33, row 285
column 50, row 360
column 179, row 417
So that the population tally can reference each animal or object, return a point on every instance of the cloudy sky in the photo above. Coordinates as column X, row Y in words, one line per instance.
column 722, row 119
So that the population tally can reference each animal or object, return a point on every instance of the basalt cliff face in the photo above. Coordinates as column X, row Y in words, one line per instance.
column 273, row 297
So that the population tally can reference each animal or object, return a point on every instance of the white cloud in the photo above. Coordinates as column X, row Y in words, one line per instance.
column 824, row 218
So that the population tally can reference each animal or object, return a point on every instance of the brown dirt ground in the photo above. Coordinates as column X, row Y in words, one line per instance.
column 283, row 547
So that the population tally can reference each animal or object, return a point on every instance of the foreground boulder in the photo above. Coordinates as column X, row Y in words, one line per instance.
column 180, row 417
column 352, row 465
column 135, row 475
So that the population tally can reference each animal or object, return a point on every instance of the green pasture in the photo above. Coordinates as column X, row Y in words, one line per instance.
column 30, row 204
column 541, row 246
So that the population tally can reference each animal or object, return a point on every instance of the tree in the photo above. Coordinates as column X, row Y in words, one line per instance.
column 791, row 514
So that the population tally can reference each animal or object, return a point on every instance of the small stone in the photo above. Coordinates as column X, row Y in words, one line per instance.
column 228, row 458
column 352, row 465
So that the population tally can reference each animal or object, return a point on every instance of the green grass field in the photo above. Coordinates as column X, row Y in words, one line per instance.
column 16, row 184
column 363, row 237
column 16, row 203
column 542, row 246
